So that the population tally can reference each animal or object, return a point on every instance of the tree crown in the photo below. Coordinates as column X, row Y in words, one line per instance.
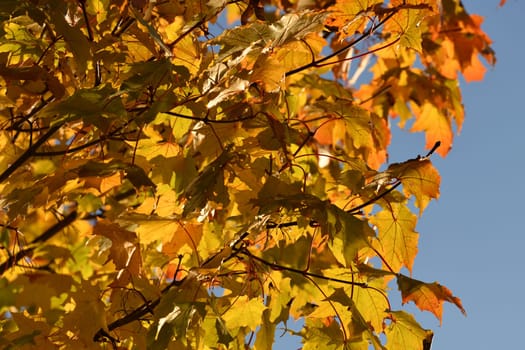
column 193, row 174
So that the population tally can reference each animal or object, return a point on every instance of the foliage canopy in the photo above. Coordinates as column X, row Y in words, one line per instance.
column 192, row 174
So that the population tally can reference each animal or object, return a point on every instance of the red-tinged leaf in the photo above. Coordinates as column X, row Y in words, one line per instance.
column 427, row 296
column 270, row 69
column 154, row 145
column 475, row 71
column 419, row 178
column 352, row 127
column 405, row 333
column 435, row 124
column 397, row 238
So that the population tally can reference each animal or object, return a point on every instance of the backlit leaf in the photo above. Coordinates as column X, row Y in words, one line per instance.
column 397, row 238
column 250, row 316
column 189, row 175
column 436, row 125
column 419, row 178
column 427, row 296
column 405, row 333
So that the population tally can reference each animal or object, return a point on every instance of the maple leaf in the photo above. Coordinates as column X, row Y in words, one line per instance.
column 351, row 16
column 436, row 126
column 397, row 239
column 419, row 178
column 250, row 317
column 405, row 333
column 124, row 250
column 427, row 296
column 188, row 181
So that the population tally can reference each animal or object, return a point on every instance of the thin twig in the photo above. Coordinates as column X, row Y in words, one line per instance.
column 366, row 34
column 48, row 234
column 29, row 152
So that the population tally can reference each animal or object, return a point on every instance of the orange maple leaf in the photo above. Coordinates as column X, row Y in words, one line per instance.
column 427, row 296
column 436, row 126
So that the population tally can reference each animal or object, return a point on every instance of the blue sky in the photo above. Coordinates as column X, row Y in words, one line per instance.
column 471, row 239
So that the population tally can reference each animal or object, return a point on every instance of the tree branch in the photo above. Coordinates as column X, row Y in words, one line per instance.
column 278, row 267
column 29, row 152
column 206, row 120
column 48, row 234
column 366, row 34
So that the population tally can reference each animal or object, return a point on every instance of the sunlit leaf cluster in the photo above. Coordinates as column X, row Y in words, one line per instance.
column 193, row 175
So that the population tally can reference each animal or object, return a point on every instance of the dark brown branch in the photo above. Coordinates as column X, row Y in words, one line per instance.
column 146, row 308
column 366, row 34
column 122, row 25
column 54, row 40
column 29, row 152
column 69, row 150
column 79, row 148
column 22, row 119
column 374, row 199
column 48, row 234
column 188, row 31
column 207, row 120
column 355, row 210
column 86, row 19
column 319, row 65
column 278, row 267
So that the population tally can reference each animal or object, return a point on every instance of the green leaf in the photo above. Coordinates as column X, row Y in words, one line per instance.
column 404, row 332
column 89, row 203
column 348, row 234
column 43, row 167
